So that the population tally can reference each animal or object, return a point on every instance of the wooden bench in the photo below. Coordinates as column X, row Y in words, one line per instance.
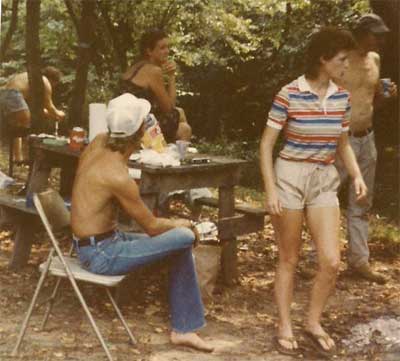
column 250, row 219
column 14, row 211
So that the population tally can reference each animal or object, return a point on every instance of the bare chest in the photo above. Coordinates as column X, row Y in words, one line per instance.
column 362, row 76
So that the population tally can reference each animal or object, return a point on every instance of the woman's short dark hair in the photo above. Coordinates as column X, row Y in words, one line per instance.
column 326, row 43
column 149, row 40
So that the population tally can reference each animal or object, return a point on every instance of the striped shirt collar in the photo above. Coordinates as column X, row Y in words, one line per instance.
column 304, row 86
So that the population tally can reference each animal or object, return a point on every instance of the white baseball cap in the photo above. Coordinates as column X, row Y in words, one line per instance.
column 125, row 114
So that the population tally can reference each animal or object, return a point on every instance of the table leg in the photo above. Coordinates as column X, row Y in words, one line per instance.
column 39, row 177
column 67, row 179
column 26, row 227
column 226, row 205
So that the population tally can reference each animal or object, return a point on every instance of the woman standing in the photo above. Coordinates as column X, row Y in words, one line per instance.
column 314, row 112
column 145, row 79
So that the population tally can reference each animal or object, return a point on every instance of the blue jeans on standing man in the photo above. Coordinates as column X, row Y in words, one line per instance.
column 124, row 252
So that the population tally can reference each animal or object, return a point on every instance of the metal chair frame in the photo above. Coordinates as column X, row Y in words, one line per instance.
column 55, row 217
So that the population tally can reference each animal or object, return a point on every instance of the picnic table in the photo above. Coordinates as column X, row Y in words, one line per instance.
column 221, row 172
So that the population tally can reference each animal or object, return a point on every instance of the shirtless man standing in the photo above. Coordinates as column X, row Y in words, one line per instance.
column 14, row 108
column 362, row 80
column 101, row 180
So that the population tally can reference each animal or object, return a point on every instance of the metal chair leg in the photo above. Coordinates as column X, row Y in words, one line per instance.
column 89, row 315
column 122, row 319
column 31, row 306
column 50, row 304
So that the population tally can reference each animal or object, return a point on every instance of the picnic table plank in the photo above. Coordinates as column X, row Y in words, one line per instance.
column 221, row 172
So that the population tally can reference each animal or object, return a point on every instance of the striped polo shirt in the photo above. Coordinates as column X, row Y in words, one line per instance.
column 312, row 126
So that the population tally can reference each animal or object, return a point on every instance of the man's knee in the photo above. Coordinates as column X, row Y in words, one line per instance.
column 185, row 235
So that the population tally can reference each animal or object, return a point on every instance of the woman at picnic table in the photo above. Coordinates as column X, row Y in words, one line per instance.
column 145, row 79
column 303, row 183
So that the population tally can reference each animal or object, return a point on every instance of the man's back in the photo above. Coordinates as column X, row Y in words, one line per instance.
column 92, row 199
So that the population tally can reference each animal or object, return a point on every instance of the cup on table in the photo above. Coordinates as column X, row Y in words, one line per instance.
column 386, row 82
column 181, row 146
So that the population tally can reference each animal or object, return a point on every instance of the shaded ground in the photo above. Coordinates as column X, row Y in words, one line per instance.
column 241, row 320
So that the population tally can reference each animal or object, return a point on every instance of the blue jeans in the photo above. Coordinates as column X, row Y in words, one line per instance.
column 124, row 252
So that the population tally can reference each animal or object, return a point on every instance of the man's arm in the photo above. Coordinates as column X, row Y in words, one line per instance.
column 50, row 110
column 127, row 193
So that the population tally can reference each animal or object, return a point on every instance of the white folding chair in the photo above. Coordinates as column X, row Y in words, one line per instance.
column 56, row 217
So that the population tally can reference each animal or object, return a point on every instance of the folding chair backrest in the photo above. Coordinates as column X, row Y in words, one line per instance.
column 52, row 209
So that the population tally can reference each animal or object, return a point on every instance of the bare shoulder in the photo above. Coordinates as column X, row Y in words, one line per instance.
column 153, row 70
column 375, row 57
column 46, row 83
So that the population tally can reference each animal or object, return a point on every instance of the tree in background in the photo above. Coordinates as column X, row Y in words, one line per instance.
column 233, row 55
column 33, row 63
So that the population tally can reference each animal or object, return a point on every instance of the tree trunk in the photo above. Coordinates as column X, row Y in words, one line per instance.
column 389, row 11
column 13, row 26
column 120, row 49
column 82, row 64
column 33, row 63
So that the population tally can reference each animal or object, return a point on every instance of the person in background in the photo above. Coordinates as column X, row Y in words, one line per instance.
column 314, row 112
column 14, row 100
column 101, row 181
column 145, row 79
column 361, row 79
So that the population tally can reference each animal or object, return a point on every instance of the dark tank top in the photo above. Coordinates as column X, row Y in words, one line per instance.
column 168, row 121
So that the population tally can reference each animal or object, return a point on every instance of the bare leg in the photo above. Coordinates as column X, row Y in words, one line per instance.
column 18, row 156
column 324, row 224
column 288, row 233
column 190, row 339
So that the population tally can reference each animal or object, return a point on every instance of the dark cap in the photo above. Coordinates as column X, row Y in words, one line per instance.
column 372, row 23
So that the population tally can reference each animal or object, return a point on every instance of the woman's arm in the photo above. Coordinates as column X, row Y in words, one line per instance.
column 268, row 140
column 350, row 162
column 165, row 99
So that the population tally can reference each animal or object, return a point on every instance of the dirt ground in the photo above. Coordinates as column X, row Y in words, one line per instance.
column 240, row 320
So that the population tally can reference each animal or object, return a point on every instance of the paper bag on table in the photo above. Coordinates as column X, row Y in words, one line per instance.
column 153, row 137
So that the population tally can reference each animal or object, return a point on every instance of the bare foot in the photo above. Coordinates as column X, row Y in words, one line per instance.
column 322, row 337
column 190, row 339
column 285, row 338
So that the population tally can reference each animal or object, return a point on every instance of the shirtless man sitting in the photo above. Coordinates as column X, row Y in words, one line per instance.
column 14, row 108
column 101, row 180
column 362, row 80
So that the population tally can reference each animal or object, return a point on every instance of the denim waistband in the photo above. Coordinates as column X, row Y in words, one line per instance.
column 92, row 240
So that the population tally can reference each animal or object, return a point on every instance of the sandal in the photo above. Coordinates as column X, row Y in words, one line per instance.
column 315, row 343
column 282, row 349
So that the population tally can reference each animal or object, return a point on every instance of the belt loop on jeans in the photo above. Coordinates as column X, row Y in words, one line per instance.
column 361, row 133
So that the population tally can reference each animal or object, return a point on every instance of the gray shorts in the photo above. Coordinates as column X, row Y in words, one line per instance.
column 303, row 184
column 11, row 101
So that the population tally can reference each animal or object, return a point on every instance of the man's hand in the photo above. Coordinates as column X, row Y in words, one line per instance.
column 392, row 90
column 360, row 188
column 273, row 204
column 60, row 115
column 181, row 222
column 169, row 68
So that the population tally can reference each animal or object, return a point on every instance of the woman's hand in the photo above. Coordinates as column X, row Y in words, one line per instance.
column 169, row 68
column 360, row 188
column 273, row 204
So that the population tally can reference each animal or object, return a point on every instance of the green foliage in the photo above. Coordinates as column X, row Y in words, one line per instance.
column 386, row 236
column 233, row 55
